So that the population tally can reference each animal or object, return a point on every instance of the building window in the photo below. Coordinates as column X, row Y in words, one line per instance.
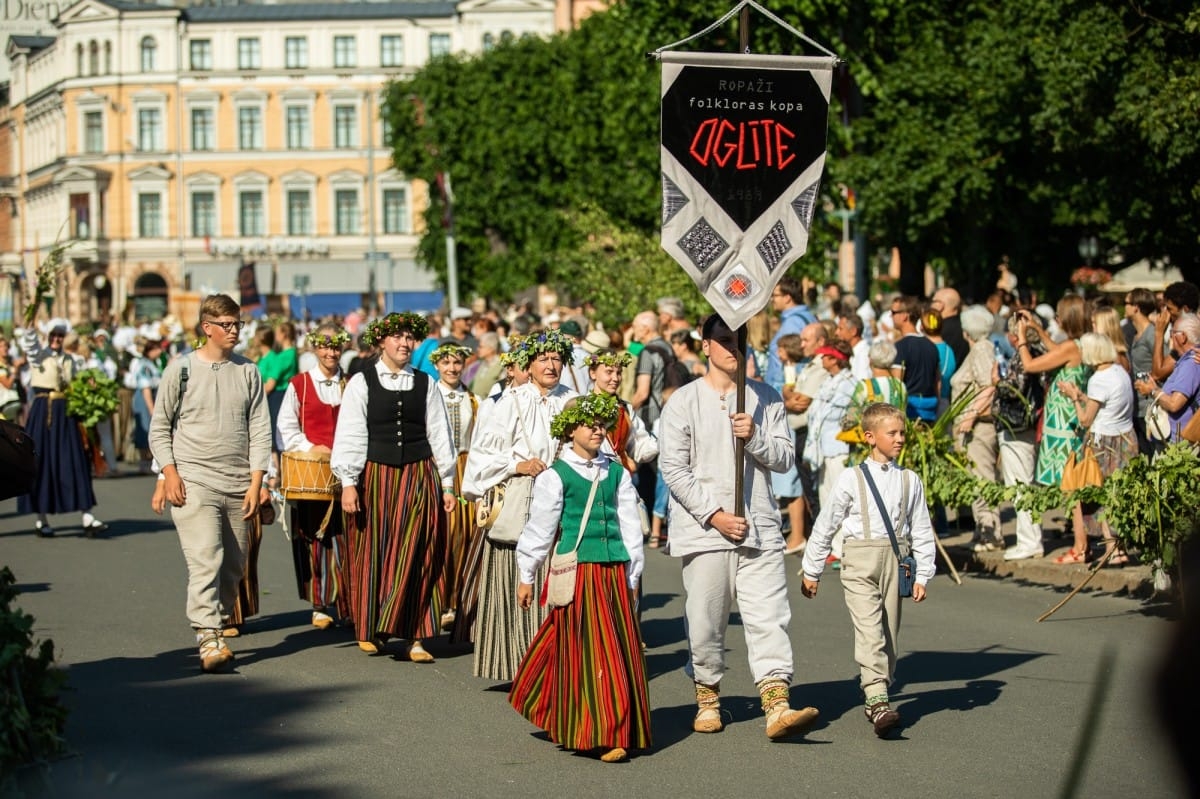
column 299, row 133
column 149, row 216
column 249, row 54
column 250, row 213
column 391, row 51
column 108, row 58
column 299, row 213
column 250, row 132
column 200, row 51
column 489, row 42
column 395, row 211
column 149, row 50
column 93, row 132
column 204, row 213
column 79, row 60
column 149, row 130
column 346, row 201
column 439, row 44
column 93, row 58
column 345, row 126
column 295, row 52
column 344, row 52
column 203, row 130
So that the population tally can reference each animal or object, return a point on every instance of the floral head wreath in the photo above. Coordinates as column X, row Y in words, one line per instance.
column 535, row 344
column 449, row 350
column 588, row 409
column 514, row 345
column 617, row 360
column 335, row 341
column 395, row 323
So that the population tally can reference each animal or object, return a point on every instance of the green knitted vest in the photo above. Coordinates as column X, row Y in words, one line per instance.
column 602, row 539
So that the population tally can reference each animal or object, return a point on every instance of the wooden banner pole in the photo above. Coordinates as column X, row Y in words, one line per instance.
column 739, row 444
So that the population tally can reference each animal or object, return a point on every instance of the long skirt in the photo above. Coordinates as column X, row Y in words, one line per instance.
column 63, row 481
column 460, row 527
column 397, row 551
column 583, row 679
column 247, row 599
column 503, row 632
column 322, row 569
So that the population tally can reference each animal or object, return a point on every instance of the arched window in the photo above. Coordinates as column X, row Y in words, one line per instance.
column 108, row 58
column 489, row 42
column 79, row 60
column 150, row 295
column 506, row 37
column 149, row 48
column 93, row 58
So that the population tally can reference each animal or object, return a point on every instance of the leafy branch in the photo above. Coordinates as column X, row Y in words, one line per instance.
column 45, row 280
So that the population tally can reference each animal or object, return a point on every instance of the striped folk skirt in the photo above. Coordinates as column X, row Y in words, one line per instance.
column 322, row 569
column 503, row 632
column 396, row 546
column 461, row 530
column 583, row 679
column 247, row 596
column 465, row 533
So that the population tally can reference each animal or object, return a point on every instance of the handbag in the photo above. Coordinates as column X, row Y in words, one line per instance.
column 560, row 581
column 854, row 433
column 1158, row 423
column 1081, row 472
column 907, row 573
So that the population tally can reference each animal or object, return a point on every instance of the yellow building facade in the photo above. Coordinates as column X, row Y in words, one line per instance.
column 185, row 151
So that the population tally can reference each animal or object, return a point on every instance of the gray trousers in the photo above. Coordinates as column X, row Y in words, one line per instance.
column 215, row 542
column 869, row 576
column 758, row 581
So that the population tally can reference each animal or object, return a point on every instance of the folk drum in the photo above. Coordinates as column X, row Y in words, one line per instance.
column 303, row 475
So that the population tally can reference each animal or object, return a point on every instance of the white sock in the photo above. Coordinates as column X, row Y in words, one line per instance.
column 42, row 520
column 88, row 519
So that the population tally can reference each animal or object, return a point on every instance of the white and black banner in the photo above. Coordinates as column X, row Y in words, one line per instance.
column 743, row 151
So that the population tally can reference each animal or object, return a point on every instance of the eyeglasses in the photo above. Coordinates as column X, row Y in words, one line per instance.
column 228, row 327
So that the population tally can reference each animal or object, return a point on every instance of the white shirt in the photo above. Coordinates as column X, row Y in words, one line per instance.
column 516, row 429
column 350, row 438
column 845, row 510
column 860, row 361
column 545, row 512
column 289, row 437
column 1112, row 388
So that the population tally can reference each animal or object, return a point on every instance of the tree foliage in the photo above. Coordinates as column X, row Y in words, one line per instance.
column 968, row 131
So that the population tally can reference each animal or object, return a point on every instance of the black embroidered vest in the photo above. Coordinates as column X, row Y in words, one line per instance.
column 396, row 421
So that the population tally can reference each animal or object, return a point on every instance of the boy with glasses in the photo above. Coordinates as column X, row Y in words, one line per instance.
column 211, row 435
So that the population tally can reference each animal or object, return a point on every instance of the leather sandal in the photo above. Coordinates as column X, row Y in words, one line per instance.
column 708, row 719
column 614, row 755
column 417, row 653
column 1071, row 556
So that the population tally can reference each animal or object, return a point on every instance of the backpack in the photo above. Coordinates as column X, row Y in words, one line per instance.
column 675, row 373
column 1017, row 400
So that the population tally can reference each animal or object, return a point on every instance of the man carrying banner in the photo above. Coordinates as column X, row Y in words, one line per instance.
column 727, row 556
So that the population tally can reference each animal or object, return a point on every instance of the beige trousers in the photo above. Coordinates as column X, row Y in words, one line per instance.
column 215, row 542
column 869, row 576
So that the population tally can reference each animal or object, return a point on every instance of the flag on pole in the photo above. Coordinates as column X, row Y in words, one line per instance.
column 743, row 151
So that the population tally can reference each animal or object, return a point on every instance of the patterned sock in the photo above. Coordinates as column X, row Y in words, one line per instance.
column 774, row 693
column 708, row 696
column 876, row 699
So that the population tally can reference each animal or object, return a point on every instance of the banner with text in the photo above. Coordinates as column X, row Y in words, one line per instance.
column 743, row 151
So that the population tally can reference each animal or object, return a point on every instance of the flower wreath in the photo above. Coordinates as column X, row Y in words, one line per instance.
column 336, row 341
column 617, row 360
column 449, row 350
column 588, row 409
column 535, row 344
column 395, row 323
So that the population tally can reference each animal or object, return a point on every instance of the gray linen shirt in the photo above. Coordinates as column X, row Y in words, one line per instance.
column 696, row 458
column 222, row 432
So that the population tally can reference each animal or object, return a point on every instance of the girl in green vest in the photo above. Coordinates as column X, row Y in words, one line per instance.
column 583, row 678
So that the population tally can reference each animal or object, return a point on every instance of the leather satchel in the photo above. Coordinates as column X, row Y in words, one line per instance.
column 560, row 582
column 1081, row 472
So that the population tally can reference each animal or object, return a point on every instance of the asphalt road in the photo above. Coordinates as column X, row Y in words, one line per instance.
column 994, row 702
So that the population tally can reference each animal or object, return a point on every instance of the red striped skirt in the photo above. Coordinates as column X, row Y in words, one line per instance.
column 396, row 547
column 583, row 679
column 464, row 554
column 321, row 566
column 247, row 599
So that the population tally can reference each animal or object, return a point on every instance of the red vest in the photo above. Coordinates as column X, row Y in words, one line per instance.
column 317, row 420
